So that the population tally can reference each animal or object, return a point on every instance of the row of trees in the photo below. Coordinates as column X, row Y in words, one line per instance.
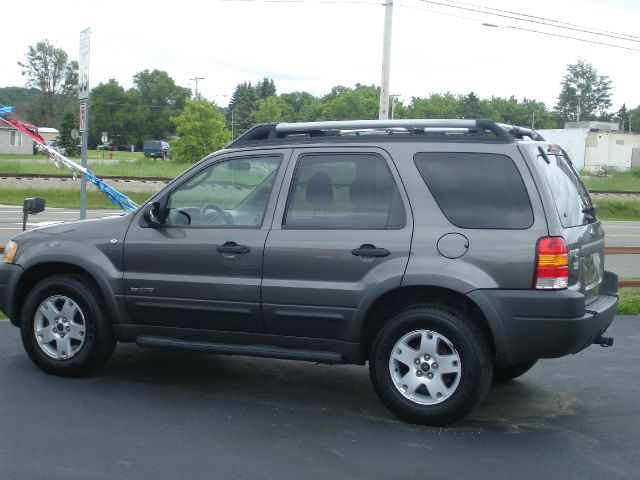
column 157, row 108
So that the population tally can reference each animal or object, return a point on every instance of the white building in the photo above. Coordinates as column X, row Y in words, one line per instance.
column 592, row 147
column 13, row 140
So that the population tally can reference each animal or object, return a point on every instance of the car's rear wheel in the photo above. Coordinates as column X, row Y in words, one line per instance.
column 64, row 327
column 504, row 373
column 431, row 365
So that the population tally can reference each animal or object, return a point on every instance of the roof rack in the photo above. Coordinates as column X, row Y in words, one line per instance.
column 521, row 132
column 432, row 129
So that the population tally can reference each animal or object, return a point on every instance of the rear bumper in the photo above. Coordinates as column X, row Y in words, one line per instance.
column 530, row 324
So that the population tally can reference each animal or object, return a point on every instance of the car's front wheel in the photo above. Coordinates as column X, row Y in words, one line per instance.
column 64, row 327
column 431, row 365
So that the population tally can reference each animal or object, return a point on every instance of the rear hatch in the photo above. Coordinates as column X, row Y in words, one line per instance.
column 579, row 224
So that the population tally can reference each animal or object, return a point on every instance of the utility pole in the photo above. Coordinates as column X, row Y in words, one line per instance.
column 386, row 61
column 196, row 79
column 83, row 98
column 394, row 99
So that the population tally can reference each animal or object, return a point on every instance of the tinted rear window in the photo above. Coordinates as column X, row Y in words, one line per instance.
column 477, row 190
column 569, row 193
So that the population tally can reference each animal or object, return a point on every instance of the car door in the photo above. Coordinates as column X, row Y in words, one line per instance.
column 342, row 231
column 201, row 266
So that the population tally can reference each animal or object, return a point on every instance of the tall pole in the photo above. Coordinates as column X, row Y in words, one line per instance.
column 83, row 178
column 196, row 79
column 386, row 61
column 83, row 98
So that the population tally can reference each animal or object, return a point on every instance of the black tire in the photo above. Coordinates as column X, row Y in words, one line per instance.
column 471, row 346
column 502, row 373
column 98, row 340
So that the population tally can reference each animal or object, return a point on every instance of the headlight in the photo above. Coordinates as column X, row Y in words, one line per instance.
column 10, row 251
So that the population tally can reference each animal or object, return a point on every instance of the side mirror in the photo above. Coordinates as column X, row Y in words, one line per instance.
column 31, row 206
column 151, row 215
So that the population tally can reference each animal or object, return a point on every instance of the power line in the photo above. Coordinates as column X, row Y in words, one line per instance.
column 338, row 2
column 560, row 22
column 511, row 17
column 512, row 26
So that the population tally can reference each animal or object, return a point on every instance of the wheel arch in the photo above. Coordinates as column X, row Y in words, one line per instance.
column 386, row 305
column 39, row 271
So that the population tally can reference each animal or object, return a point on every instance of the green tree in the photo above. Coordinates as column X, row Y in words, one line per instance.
column 622, row 117
column 634, row 119
column 344, row 103
column 471, row 106
column 49, row 70
column 272, row 109
column 69, row 122
column 241, row 107
column 437, row 105
column 265, row 89
column 584, row 94
column 111, row 112
column 159, row 99
column 305, row 106
column 540, row 115
column 24, row 100
column 201, row 130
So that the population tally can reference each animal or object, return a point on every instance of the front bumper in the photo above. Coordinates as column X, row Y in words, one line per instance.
column 532, row 324
column 9, row 274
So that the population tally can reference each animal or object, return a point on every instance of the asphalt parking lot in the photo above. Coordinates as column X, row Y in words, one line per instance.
column 173, row 415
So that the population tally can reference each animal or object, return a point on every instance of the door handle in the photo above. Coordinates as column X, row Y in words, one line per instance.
column 368, row 250
column 232, row 248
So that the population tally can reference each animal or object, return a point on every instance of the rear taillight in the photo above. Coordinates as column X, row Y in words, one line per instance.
column 552, row 264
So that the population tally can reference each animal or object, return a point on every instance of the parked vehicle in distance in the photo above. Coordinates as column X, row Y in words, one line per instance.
column 445, row 253
column 156, row 149
column 56, row 146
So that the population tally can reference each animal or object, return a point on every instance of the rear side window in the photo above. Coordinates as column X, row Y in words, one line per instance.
column 477, row 190
column 344, row 191
column 569, row 193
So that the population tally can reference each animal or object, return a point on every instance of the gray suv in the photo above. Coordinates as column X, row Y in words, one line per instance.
column 445, row 253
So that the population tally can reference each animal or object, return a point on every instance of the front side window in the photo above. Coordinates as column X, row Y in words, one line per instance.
column 344, row 191
column 15, row 138
column 231, row 192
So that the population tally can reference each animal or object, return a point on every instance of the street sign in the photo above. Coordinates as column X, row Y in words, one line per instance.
column 104, row 138
column 75, row 134
column 83, row 116
column 83, row 65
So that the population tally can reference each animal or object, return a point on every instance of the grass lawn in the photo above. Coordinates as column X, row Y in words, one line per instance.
column 65, row 198
column 628, row 180
column 127, row 164
column 613, row 209
column 629, row 301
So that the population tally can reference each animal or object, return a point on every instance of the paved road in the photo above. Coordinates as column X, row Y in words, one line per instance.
column 167, row 415
column 11, row 219
column 622, row 234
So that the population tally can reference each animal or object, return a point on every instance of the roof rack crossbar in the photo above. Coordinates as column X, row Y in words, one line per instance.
column 267, row 132
column 374, row 124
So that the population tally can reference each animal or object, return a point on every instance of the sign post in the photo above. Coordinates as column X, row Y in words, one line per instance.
column 83, row 98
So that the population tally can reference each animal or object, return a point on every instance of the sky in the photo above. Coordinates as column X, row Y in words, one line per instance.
column 313, row 45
